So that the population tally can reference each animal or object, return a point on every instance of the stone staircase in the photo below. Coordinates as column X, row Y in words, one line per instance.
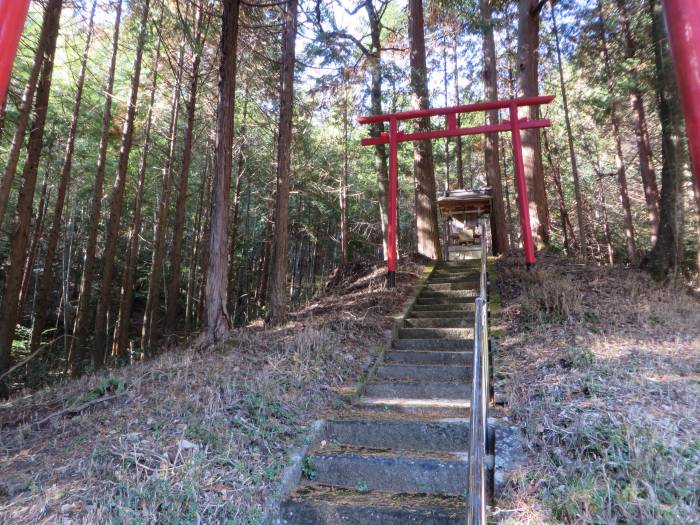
column 399, row 455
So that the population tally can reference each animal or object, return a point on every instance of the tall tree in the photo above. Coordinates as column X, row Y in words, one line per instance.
column 46, row 279
column 428, row 237
column 580, row 216
column 25, row 201
column 121, row 326
column 188, row 141
column 619, row 157
column 25, row 108
column 117, row 198
column 458, row 140
column 149, row 331
column 646, row 163
column 528, row 85
column 278, row 296
column 77, row 351
column 373, row 55
column 217, row 323
column 663, row 259
column 343, row 186
column 499, row 233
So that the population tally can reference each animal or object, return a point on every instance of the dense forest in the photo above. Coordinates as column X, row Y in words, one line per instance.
column 182, row 167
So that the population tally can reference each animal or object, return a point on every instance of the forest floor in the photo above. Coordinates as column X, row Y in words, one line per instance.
column 193, row 436
column 601, row 368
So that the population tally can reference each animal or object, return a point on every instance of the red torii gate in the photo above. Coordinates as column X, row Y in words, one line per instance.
column 514, row 125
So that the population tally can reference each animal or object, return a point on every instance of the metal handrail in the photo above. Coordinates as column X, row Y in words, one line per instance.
column 477, row 483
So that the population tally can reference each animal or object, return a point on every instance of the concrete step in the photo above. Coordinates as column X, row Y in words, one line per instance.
column 439, row 322
column 415, row 473
column 441, row 278
column 428, row 357
column 423, row 372
column 315, row 505
column 442, row 314
column 458, row 264
column 445, row 300
column 436, row 333
column 463, row 345
column 455, row 284
column 423, row 408
column 451, row 435
column 458, row 390
column 467, row 292
column 435, row 305
column 472, row 270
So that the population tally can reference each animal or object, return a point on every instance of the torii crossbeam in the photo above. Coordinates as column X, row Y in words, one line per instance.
column 514, row 125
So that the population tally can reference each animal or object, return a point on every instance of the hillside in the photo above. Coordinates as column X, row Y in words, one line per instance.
column 194, row 435
column 601, row 368
column 598, row 366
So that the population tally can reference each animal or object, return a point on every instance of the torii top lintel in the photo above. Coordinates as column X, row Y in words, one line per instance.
column 514, row 125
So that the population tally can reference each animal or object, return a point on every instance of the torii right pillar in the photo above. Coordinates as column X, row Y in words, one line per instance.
column 683, row 24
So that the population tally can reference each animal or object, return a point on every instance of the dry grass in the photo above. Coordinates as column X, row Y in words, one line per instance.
column 189, row 437
column 601, row 368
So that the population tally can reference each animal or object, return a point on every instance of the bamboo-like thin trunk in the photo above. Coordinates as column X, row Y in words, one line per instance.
column 240, row 169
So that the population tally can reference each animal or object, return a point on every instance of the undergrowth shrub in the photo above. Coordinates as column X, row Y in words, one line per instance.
column 549, row 297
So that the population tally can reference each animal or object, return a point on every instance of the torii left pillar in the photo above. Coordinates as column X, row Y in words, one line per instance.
column 13, row 14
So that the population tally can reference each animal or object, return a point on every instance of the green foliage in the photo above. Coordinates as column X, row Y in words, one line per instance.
column 308, row 468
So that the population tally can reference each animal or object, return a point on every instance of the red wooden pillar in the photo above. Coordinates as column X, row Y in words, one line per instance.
column 13, row 13
column 523, row 203
column 683, row 24
column 391, row 206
